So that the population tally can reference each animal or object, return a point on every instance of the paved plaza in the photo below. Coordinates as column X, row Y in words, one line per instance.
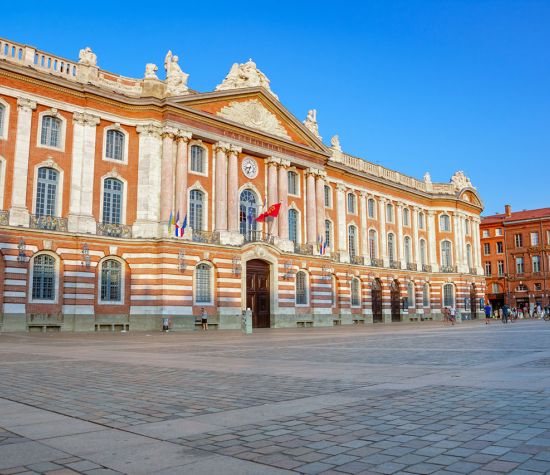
column 399, row 399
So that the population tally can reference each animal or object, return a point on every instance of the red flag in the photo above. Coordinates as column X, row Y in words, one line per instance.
column 272, row 211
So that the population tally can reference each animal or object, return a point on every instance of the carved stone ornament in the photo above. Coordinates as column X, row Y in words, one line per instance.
column 335, row 143
column 461, row 181
column 151, row 71
column 427, row 177
column 253, row 114
column 150, row 130
column 87, row 57
column 176, row 79
column 245, row 75
column 83, row 118
column 311, row 123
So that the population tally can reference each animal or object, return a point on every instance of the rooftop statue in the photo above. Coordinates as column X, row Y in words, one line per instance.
column 176, row 79
column 151, row 71
column 461, row 181
column 311, row 123
column 244, row 75
column 335, row 143
column 427, row 177
column 87, row 57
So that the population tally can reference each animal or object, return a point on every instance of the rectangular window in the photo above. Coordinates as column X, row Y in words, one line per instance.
column 486, row 249
column 327, row 196
column 292, row 183
column 372, row 209
column 518, row 239
column 498, row 232
column 500, row 268
column 536, row 263
column 467, row 227
column 548, row 237
column 487, row 268
column 519, row 265
column 351, row 203
column 421, row 222
column 495, row 288
column 538, row 286
column 534, row 239
column 389, row 213
column 485, row 233
column 500, row 247
column 406, row 217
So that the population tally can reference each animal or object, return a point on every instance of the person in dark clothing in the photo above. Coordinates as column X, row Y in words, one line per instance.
column 488, row 310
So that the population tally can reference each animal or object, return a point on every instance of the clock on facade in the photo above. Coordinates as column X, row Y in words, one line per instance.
column 250, row 168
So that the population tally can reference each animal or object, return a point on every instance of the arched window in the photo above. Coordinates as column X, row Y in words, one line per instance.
column 355, row 292
column 469, row 255
column 196, row 210
column 446, row 254
column 407, row 249
column 373, row 244
column 389, row 213
column 421, row 222
column 406, row 217
column 391, row 247
column 328, row 232
column 197, row 159
column 444, row 222
column 46, row 191
column 43, row 277
column 112, row 201
column 426, row 295
column 352, row 241
column 293, row 225
column 371, row 206
column 50, row 134
column 328, row 196
column 410, row 294
column 248, row 211
column 203, row 284
column 114, row 148
column 2, row 119
column 292, row 183
column 111, row 281
column 422, row 252
column 301, row 288
column 351, row 203
column 448, row 295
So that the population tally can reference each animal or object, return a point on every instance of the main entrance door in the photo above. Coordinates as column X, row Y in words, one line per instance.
column 377, row 301
column 395, row 297
column 473, row 302
column 257, row 292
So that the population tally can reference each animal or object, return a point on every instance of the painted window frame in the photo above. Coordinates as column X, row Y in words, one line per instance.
column 62, row 130
column 57, row 266
column 122, row 263
column 206, row 158
column 126, row 135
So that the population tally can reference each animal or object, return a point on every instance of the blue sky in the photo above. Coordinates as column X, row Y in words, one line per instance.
column 416, row 86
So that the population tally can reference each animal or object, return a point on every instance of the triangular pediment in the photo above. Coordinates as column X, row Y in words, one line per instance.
column 255, row 109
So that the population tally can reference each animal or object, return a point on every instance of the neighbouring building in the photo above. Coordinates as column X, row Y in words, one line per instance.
column 93, row 165
column 515, row 249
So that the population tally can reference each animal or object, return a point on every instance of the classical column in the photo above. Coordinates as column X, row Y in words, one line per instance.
column 342, row 223
column 463, row 219
column 400, row 246
column 221, row 149
column 80, row 217
column 233, row 189
column 476, row 251
column 283, row 198
column 167, row 175
column 432, row 243
column 320, row 199
column 416, row 244
column 272, row 191
column 311, row 219
column 364, row 228
column 383, row 238
column 149, row 180
column 19, row 214
column 182, row 139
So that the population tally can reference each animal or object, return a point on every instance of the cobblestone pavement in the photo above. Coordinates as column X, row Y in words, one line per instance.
column 403, row 399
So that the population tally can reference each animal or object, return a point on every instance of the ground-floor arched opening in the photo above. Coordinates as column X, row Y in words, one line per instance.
column 395, row 296
column 376, row 299
column 258, row 292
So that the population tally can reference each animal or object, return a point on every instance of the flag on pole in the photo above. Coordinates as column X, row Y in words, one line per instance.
column 170, row 222
column 184, row 225
column 272, row 212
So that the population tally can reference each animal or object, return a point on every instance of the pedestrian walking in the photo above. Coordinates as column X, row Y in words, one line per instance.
column 452, row 313
column 165, row 324
column 204, row 319
column 505, row 313
column 488, row 310
column 446, row 314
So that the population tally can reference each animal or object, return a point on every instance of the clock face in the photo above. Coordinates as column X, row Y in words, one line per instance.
column 250, row 168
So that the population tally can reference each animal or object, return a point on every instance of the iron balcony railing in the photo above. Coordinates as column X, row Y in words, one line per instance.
column 395, row 265
column 411, row 266
column 114, row 230
column 375, row 262
column 426, row 268
column 258, row 236
column 358, row 260
column 49, row 223
column 473, row 271
column 448, row 269
column 304, row 249
column 206, row 237
column 4, row 218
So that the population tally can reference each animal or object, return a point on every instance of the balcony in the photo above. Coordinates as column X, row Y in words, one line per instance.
column 206, row 237
column 114, row 230
column 49, row 223
column 304, row 249
column 395, row 265
column 473, row 271
column 412, row 266
column 448, row 269
column 358, row 260
column 426, row 268
column 375, row 262
column 258, row 236
column 4, row 218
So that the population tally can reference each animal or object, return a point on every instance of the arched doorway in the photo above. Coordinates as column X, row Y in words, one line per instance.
column 395, row 296
column 473, row 301
column 376, row 299
column 257, row 292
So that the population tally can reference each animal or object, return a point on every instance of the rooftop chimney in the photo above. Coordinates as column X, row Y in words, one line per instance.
column 508, row 211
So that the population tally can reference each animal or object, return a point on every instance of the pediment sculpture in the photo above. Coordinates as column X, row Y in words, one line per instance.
column 461, row 181
column 311, row 123
column 245, row 75
column 253, row 114
column 176, row 79
column 87, row 57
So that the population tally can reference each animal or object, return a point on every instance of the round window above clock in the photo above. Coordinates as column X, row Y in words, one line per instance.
column 250, row 168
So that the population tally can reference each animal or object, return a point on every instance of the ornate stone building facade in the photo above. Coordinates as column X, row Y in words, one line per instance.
column 93, row 165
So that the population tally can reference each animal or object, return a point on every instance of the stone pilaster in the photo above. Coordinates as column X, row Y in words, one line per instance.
column 167, row 176
column 320, row 201
column 432, row 242
column 221, row 150
column 383, row 237
column 19, row 213
column 416, row 244
column 400, row 244
column 364, row 239
column 283, row 242
column 342, row 222
column 272, row 191
column 182, row 157
column 81, row 219
column 311, row 215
